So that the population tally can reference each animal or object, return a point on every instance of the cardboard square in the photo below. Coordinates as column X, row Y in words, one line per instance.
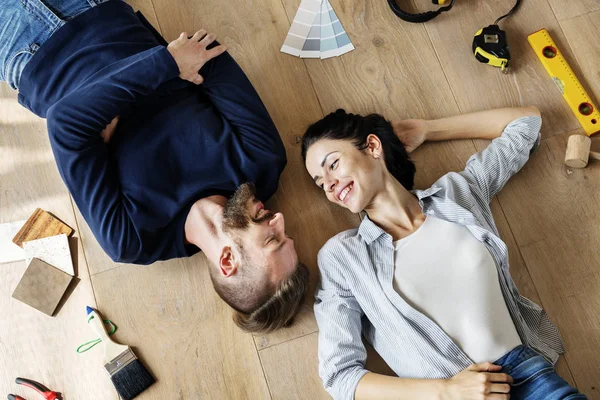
column 53, row 250
column 42, row 286
column 40, row 225
column 10, row 252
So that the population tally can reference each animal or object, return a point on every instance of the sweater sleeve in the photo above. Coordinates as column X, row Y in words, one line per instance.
column 74, row 126
column 234, row 97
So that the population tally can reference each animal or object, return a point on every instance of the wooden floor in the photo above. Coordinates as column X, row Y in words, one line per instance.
column 548, row 214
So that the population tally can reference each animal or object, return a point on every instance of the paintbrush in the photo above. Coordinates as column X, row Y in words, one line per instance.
column 126, row 372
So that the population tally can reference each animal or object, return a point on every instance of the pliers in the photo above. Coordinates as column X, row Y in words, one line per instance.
column 38, row 387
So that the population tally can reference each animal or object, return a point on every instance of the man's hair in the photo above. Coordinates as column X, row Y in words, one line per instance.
column 260, row 306
column 341, row 125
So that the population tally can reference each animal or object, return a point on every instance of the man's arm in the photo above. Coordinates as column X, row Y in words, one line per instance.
column 74, row 126
column 234, row 97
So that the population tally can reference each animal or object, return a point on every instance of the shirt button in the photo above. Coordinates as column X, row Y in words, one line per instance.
column 430, row 212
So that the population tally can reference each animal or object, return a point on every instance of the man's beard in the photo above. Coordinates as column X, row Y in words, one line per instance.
column 236, row 216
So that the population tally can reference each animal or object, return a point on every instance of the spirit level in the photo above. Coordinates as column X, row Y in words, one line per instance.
column 579, row 101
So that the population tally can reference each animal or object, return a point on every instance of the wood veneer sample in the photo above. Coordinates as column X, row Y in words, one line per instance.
column 42, row 286
column 40, row 225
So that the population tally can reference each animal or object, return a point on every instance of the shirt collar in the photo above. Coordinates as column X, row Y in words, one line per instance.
column 370, row 231
column 421, row 194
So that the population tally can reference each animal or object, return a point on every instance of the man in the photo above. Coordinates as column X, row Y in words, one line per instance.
column 152, row 141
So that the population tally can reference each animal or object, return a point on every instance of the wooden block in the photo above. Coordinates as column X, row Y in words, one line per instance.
column 42, row 286
column 40, row 225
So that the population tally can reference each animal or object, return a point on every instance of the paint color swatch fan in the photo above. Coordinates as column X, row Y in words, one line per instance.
column 316, row 32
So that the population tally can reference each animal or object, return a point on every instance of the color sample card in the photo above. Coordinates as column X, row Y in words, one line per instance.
column 312, row 45
column 42, row 286
column 316, row 32
column 301, row 26
column 41, row 224
column 10, row 252
column 53, row 250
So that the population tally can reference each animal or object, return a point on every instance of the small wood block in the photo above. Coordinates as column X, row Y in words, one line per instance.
column 578, row 151
column 40, row 225
column 42, row 286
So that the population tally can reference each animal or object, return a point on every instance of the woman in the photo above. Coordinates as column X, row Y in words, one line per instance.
column 425, row 277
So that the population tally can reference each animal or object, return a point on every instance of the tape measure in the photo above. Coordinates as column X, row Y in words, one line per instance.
column 577, row 98
column 490, row 45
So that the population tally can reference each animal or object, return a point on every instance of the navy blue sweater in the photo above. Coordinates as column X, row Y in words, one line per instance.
column 175, row 142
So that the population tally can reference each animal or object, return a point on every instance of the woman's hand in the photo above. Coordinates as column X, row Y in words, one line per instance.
column 108, row 132
column 191, row 54
column 412, row 132
column 478, row 382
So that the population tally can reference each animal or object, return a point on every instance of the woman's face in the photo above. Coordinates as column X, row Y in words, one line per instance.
column 350, row 177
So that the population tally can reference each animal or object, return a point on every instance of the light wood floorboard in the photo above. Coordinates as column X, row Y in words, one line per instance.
column 569, row 9
column 291, row 369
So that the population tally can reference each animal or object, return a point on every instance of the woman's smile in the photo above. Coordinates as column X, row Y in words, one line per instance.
column 344, row 194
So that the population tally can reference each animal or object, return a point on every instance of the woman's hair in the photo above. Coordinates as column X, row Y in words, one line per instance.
column 341, row 125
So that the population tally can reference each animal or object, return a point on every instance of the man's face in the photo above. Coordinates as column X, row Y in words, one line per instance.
column 261, row 234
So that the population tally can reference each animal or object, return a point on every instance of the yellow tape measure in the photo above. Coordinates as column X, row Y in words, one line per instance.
column 579, row 101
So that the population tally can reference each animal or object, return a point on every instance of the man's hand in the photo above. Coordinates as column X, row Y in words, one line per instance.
column 479, row 382
column 412, row 132
column 191, row 54
column 108, row 132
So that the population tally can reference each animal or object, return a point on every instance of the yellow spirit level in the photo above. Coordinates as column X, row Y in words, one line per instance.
column 577, row 98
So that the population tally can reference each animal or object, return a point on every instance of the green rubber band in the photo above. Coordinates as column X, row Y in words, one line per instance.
column 89, row 345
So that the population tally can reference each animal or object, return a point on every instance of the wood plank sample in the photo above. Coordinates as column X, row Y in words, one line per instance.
column 40, row 225
column 42, row 286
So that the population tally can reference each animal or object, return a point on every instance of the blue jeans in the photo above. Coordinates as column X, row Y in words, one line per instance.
column 534, row 377
column 26, row 25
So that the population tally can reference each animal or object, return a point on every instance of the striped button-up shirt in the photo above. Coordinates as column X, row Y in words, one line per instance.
column 356, row 294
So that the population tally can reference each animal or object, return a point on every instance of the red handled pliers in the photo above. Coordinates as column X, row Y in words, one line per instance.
column 38, row 387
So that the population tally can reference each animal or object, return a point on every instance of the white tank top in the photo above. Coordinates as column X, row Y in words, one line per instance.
column 444, row 272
